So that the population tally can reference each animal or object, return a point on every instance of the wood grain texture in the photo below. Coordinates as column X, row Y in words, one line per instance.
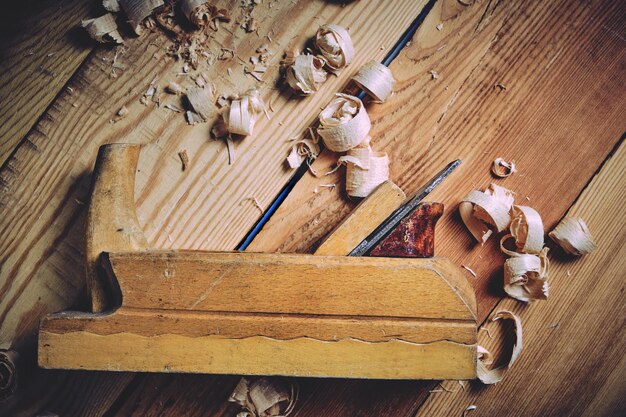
column 560, row 63
column 560, row 78
column 34, row 68
column 41, row 270
column 574, row 342
column 206, row 206
column 259, row 355
column 147, row 322
column 365, row 217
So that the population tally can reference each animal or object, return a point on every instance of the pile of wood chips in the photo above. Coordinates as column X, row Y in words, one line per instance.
column 526, row 270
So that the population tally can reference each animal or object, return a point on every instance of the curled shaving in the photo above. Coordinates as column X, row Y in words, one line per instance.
column 572, row 234
column 265, row 396
column 526, row 275
column 527, row 229
column 200, row 100
column 301, row 150
column 138, row 10
column 501, row 168
column 111, row 5
column 335, row 45
column 365, row 170
column 306, row 74
column 243, row 113
column 103, row 29
column 195, row 11
column 493, row 376
column 480, row 209
column 344, row 123
column 376, row 80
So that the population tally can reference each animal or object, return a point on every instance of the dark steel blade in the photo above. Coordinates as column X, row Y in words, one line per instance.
column 401, row 212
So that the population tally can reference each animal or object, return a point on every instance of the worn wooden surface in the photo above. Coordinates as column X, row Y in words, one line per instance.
column 210, row 312
column 562, row 63
column 362, row 220
column 40, row 48
column 574, row 343
column 176, row 209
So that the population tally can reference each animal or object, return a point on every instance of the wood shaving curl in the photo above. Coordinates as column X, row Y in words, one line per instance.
column 335, row 45
column 481, row 209
column 527, row 229
column 306, row 74
column 10, row 364
column 112, row 6
column 302, row 150
column 103, row 29
column 201, row 14
column 243, row 113
column 572, row 234
column 365, row 170
column 344, row 123
column 289, row 57
column 138, row 10
column 526, row 275
column 376, row 80
column 196, row 11
column 468, row 409
column 265, row 397
column 493, row 376
column 502, row 169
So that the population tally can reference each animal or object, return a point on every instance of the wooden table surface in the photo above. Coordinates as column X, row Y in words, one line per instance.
column 538, row 82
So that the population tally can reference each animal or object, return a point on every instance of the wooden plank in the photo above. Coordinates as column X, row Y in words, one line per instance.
column 45, row 182
column 41, row 49
column 574, row 342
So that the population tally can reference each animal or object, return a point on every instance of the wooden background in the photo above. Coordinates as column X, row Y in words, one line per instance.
column 562, row 117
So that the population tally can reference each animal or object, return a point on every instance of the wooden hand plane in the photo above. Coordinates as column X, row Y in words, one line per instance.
column 322, row 315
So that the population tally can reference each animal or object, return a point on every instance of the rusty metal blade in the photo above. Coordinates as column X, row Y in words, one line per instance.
column 401, row 212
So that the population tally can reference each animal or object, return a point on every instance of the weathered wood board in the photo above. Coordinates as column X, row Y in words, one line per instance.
column 35, row 69
column 574, row 342
column 42, row 271
column 209, row 205
column 546, row 55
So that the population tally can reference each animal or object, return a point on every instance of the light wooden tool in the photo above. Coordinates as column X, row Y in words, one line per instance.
column 259, row 314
